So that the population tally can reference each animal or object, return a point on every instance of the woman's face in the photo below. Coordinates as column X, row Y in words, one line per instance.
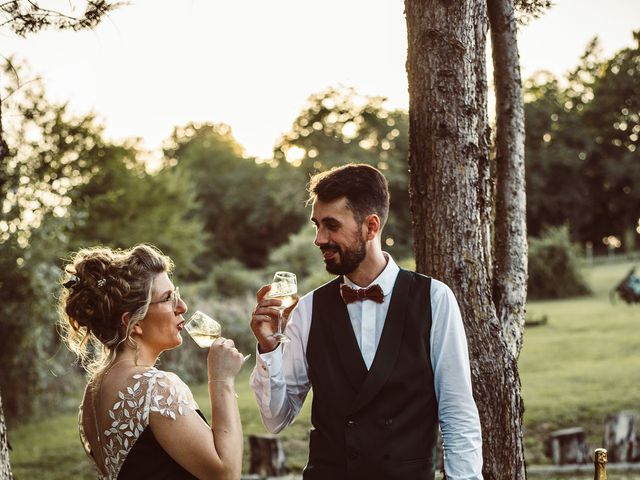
column 162, row 325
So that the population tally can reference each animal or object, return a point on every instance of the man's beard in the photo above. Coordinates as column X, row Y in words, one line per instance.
column 350, row 258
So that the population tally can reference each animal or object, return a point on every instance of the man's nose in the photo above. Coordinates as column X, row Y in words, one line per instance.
column 320, row 238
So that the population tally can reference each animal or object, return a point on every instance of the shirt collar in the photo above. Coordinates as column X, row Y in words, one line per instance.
column 386, row 279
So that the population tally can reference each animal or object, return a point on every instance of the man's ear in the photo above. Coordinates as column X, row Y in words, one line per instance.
column 373, row 225
column 124, row 320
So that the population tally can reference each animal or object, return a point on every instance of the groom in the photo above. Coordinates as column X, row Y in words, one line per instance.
column 383, row 348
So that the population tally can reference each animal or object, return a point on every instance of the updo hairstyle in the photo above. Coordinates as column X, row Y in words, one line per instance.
column 100, row 286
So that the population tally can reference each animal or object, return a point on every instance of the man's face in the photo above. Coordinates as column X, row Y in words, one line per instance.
column 340, row 237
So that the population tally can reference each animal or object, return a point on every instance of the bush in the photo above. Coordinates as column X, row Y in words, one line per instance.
column 230, row 278
column 553, row 266
column 300, row 256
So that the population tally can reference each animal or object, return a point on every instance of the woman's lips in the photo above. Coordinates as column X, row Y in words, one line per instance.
column 180, row 325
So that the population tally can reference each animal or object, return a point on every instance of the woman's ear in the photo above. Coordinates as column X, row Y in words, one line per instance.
column 124, row 320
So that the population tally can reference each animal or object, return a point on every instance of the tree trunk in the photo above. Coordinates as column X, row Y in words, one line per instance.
column 622, row 437
column 510, row 266
column 569, row 446
column 267, row 456
column 5, row 467
column 4, row 156
column 452, row 204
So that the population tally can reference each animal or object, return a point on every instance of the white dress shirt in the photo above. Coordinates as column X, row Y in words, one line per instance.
column 280, row 379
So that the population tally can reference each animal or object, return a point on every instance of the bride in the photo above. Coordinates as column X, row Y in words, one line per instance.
column 137, row 421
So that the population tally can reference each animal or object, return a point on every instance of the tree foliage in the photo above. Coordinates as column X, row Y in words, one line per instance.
column 64, row 188
column 27, row 16
column 339, row 126
column 528, row 10
column 247, row 208
column 582, row 147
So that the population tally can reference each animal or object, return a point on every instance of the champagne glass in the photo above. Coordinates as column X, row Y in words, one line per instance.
column 284, row 287
column 204, row 330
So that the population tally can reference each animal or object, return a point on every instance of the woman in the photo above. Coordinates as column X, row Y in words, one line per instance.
column 137, row 421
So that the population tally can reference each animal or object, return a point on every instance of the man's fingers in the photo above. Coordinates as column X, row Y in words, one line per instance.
column 262, row 292
column 266, row 310
column 263, row 319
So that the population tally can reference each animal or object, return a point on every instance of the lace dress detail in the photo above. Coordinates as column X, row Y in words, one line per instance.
column 151, row 391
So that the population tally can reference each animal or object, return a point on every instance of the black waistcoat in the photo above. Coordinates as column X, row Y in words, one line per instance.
column 381, row 423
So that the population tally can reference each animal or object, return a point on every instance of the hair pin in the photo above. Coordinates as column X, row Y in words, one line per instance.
column 73, row 280
column 101, row 283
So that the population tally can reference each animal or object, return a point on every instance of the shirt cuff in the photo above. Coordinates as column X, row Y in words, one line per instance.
column 269, row 364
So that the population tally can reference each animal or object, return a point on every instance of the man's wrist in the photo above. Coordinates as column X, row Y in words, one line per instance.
column 267, row 347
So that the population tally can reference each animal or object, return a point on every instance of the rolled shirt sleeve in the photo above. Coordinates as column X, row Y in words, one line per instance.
column 279, row 380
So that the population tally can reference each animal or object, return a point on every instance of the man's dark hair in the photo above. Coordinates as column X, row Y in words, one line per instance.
column 364, row 187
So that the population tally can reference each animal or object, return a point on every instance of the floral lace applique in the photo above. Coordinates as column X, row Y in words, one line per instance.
column 152, row 391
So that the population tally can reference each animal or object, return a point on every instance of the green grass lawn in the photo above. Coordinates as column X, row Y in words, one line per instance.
column 581, row 366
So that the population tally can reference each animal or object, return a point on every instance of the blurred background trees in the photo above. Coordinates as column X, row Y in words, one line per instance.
column 582, row 149
column 229, row 221
column 339, row 126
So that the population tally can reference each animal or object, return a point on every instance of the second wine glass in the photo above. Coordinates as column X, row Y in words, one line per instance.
column 203, row 329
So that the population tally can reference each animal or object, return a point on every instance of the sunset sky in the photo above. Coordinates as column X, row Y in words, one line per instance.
column 155, row 64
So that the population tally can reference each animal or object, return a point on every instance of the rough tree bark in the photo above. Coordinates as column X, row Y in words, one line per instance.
column 5, row 466
column 452, row 203
column 510, row 271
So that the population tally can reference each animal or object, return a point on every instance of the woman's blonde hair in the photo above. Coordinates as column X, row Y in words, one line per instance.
column 100, row 286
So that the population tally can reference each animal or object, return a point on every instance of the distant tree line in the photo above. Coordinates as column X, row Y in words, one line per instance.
column 583, row 149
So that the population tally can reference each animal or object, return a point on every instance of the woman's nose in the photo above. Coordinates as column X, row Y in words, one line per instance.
column 182, row 307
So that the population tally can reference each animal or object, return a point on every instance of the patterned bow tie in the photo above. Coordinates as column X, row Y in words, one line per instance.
column 374, row 292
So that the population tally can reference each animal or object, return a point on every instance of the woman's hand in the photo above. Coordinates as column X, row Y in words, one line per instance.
column 224, row 360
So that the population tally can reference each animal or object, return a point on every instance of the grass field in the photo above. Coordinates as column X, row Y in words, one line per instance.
column 581, row 366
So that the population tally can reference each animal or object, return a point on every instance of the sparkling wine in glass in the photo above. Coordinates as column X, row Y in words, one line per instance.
column 203, row 329
column 284, row 287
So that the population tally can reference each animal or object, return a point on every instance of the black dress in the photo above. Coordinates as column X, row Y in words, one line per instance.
column 148, row 460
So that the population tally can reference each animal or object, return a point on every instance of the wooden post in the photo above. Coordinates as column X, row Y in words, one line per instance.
column 622, row 438
column 569, row 446
column 267, row 456
column 600, row 464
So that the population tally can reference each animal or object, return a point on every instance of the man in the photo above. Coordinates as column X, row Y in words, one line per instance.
column 383, row 348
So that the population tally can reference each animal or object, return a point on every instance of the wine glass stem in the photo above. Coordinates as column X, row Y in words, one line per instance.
column 280, row 325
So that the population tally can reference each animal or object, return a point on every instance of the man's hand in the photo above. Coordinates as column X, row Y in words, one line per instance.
column 264, row 320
